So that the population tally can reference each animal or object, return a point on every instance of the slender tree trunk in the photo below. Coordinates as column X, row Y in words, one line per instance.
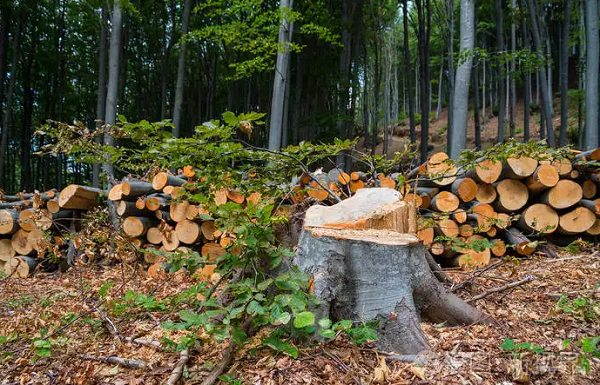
column 458, row 141
column 580, row 77
column 185, row 22
column 564, row 72
column 6, row 119
column 513, row 67
column 476, row 116
column 101, row 100
column 5, row 15
column 483, row 104
column 113, row 81
column 408, row 70
column 543, row 80
column 438, row 110
column 591, row 74
column 527, row 93
column 424, row 17
column 501, row 80
column 280, row 81
column 451, row 81
column 26, row 182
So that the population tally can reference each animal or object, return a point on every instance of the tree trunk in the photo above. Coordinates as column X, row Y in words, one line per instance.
column 527, row 80
column 543, row 80
column 280, row 82
column 501, row 81
column 397, row 280
column 476, row 116
column 408, row 70
column 101, row 98
column 26, row 134
column 450, row 126
column 185, row 22
column 5, row 15
column 513, row 75
column 458, row 141
column 6, row 119
column 113, row 80
column 564, row 72
column 424, row 33
column 591, row 74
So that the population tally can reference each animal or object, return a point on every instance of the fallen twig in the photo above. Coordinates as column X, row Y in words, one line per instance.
column 178, row 370
column 145, row 342
column 125, row 362
column 476, row 274
column 498, row 289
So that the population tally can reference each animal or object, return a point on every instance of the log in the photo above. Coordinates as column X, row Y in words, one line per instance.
column 498, row 248
column 154, row 235
column 445, row 202
column 465, row 189
column 38, row 242
column 178, row 210
column 129, row 209
column 140, row 203
column 188, row 232
column 212, row 251
column 459, row 216
column 52, row 206
column 344, row 284
column 512, row 195
column 155, row 202
column 134, row 188
column 589, row 189
column 170, row 242
column 136, row 226
column 522, row 244
column 426, row 235
column 486, row 171
column 447, row 227
column 163, row 216
column 466, row 230
column 163, row 179
column 208, row 230
column 565, row 194
column 589, row 155
column 441, row 170
column 563, row 166
column 20, row 242
column 78, row 197
column 9, row 221
column 592, row 205
column 544, row 177
column 6, row 250
column 595, row 229
column 31, row 219
column 19, row 267
column 486, row 193
column 576, row 221
column 116, row 192
column 16, row 205
column 538, row 218
column 519, row 167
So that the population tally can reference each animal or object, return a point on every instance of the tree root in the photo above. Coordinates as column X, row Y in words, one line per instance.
column 178, row 370
column 220, row 368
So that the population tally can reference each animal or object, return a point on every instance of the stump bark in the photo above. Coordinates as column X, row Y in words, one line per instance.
column 366, row 268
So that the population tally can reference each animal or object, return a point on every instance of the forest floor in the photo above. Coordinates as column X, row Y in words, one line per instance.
column 76, row 310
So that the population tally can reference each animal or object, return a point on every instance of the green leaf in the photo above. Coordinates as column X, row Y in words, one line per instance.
column 327, row 333
column 279, row 345
column 325, row 323
column 304, row 319
column 281, row 319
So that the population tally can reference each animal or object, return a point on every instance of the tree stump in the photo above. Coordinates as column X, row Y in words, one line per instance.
column 367, row 267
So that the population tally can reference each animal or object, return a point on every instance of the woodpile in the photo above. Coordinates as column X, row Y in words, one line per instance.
column 156, row 215
column 497, row 207
column 32, row 223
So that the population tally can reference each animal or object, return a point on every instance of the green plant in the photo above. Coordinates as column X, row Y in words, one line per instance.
column 509, row 345
column 18, row 302
column 589, row 348
column 584, row 308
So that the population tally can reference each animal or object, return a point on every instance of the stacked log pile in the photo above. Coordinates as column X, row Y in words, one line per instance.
column 468, row 217
column 31, row 223
column 156, row 215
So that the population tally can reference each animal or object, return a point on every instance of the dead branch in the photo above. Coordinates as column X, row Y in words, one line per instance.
column 437, row 270
column 145, row 342
column 476, row 274
column 125, row 362
column 221, row 366
column 511, row 285
column 178, row 370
